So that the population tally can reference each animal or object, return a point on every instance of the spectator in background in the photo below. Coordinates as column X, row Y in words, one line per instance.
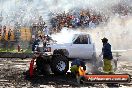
column 46, row 30
column 0, row 30
column 4, row 32
column 92, row 24
column 53, row 22
column 44, row 41
column 77, row 21
column 36, row 42
column 83, row 18
column 87, row 19
column 9, row 34
column 41, row 43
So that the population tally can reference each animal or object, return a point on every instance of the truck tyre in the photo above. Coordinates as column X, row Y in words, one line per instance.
column 59, row 64
column 61, row 52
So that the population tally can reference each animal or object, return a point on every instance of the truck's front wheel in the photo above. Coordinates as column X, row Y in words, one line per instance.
column 60, row 64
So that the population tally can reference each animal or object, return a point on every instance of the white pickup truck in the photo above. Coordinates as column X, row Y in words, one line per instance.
column 81, row 47
column 59, row 55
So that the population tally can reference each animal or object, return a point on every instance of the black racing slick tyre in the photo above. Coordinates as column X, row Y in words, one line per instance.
column 59, row 65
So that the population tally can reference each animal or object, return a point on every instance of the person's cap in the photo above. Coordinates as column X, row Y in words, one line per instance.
column 104, row 39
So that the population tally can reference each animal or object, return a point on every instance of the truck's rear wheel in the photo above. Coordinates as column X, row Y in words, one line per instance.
column 59, row 65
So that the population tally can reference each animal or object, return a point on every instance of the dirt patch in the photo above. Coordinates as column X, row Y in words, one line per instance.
column 12, row 76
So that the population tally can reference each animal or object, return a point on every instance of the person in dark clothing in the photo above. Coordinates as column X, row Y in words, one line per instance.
column 36, row 42
column 4, row 33
column 40, row 65
column 0, row 31
column 107, row 56
column 9, row 34
column 39, row 59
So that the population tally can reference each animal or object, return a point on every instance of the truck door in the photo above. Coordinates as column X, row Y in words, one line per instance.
column 81, row 47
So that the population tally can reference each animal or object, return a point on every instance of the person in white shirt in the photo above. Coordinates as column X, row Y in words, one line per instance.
column 92, row 25
column 46, row 30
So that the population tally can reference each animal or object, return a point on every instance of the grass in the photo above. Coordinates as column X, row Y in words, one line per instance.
column 7, row 50
column 27, row 51
column 15, row 50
